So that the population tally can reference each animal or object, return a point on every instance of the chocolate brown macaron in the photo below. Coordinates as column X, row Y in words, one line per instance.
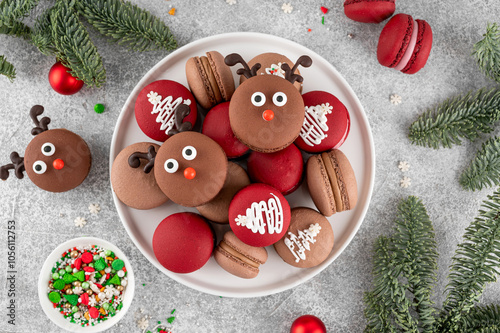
column 308, row 241
column 131, row 184
column 210, row 79
column 217, row 209
column 238, row 258
column 331, row 181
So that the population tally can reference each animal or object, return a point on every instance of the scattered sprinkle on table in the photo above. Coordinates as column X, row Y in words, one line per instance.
column 143, row 323
column 351, row 36
column 324, row 10
column 80, row 222
column 395, row 99
column 231, row 2
column 323, row 20
column 172, row 11
column 309, row 30
column 99, row 108
column 94, row 208
column 405, row 182
column 404, row 166
column 287, row 7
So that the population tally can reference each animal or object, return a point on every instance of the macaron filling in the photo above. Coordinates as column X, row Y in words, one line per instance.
column 409, row 50
column 237, row 255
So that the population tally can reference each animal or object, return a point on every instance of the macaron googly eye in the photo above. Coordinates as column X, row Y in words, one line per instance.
column 48, row 149
column 39, row 167
column 189, row 153
column 171, row 165
column 279, row 99
column 258, row 98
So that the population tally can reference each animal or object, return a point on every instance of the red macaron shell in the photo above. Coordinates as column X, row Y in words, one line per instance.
column 394, row 40
column 422, row 48
column 217, row 127
column 369, row 11
column 259, row 215
column 326, row 124
column 155, row 104
column 183, row 242
column 282, row 170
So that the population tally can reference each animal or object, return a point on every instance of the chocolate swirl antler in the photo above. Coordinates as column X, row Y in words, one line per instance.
column 17, row 165
column 235, row 58
column 180, row 112
column 41, row 125
column 304, row 60
column 135, row 159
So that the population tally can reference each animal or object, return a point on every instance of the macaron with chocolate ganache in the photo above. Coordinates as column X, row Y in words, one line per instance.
column 331, row 181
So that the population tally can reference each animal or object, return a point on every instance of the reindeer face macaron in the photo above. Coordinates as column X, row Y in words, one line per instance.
column 55, row 160
column 266, row 111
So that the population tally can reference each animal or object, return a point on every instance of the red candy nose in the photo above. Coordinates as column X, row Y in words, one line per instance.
column 189, row 173
column 268, row 115
column 58, row 164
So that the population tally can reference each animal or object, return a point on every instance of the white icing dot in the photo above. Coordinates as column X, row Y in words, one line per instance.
column 101, row 295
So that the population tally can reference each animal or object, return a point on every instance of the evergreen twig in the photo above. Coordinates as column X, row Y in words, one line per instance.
column 461, row 117
column 487, row 52
column 484, row 170
column 41, row 35
column 128, row 24
column 11, row 12
column 484, row 319
column 7, row 69
column 74, row 48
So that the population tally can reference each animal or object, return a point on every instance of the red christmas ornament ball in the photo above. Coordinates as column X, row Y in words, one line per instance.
column 62, row 81
column 308, row 324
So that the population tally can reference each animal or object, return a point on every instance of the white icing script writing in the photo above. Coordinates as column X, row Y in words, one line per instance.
column 299, row 244
column 276, row 70
column 314, row 126
column 263, row 213
column 165, row 109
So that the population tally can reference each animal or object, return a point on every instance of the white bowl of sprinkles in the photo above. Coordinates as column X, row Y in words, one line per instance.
column 114, row 286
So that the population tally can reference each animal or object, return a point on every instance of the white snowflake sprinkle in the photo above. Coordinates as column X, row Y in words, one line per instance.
column 143, row 323
column 94, row 208
column 80, row 222
column 395, row 99
column 405, row 182
column 404, row 166
column 231, row 2
column 109, row 291
column 241, row 220
column 92, row 301
column 314, row 229
column 77, row 290
column 287, row 7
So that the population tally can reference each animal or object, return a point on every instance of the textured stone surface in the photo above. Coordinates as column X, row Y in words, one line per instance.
column 43, row 220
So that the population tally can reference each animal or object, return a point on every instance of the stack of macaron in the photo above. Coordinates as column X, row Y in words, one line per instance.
column 251, row 153
column 404, row 43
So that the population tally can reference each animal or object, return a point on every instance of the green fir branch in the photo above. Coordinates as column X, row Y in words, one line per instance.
column 476, row 263
column 41, row 35
column 484, row 319
column 458, row 118
column 7, row 69
column 128, row 25
column 484, row 170
column 487, row 53
column 74, row 47
column 11, row 12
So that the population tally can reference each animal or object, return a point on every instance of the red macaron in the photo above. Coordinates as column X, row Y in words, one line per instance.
column 326, row 125
column 217, row 127
column 405, row 44
column 259, row 215
column 155, row 106
column 183, row 242
column 369, row 11
column 282, row 170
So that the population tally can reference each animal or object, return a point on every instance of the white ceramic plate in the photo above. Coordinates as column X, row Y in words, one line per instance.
column 44, row 278
column 275, row 276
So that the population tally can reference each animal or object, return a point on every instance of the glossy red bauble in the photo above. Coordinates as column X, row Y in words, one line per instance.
column 308, row 324
column 62, row 81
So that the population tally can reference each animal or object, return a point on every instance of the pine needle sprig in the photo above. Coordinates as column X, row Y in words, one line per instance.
column 11, row 12
column 458, row 118
column 484, row 319
column 476, row 263
column 487, row 53
column 128, row 25
column 484, row 169
column 7, row 69
column 74, row 48
column 41, row 35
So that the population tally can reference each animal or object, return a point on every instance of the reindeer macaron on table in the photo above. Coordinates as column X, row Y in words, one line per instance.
column 55, row 160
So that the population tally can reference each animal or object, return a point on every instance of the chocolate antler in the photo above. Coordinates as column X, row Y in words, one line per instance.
column 17, row 164
column 235, row 58
column 180, row 112
column 304, row 60
column 135, row 159
column 41, row 126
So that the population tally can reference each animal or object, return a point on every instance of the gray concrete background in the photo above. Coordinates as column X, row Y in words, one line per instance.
column 44, row 220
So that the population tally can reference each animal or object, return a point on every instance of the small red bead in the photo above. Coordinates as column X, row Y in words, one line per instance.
column 189, row 173
column 268, row 115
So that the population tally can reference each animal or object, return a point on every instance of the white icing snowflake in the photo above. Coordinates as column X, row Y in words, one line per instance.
column 314, row 229
column 92, row 301
column 326, row 108
column 143, row 323
column 395, row 99
column 94, row 208
column 154, row 98
column 80, row 222
column 231, row 2
column 241, row 220
column 287, row 7
column 77, row 290
column 109, row 291
column 405, row 182
column 404, row 166
column 276, row 70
